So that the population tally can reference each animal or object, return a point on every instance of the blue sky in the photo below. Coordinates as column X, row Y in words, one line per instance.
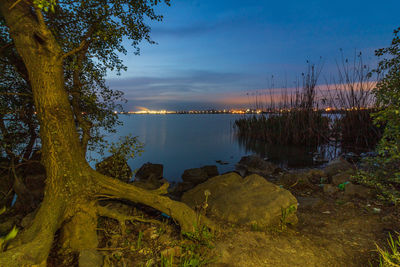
column 211, row 54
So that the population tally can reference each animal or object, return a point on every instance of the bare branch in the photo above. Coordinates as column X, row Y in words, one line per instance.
column 13, row 5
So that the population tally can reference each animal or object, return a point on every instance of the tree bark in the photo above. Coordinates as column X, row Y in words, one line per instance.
column 71, row 185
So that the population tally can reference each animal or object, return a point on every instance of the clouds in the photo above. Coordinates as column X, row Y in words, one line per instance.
column 211, row 53
column 205, row 89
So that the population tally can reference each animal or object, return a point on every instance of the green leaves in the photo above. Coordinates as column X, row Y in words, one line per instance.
column 5, row 239
column 45, row 5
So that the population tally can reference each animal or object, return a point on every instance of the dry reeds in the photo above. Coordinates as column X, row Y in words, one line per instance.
column 301, row 117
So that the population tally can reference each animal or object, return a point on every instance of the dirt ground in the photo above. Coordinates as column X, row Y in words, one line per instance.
column 332, row 231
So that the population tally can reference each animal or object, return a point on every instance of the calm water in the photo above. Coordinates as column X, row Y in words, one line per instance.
column 183, row 141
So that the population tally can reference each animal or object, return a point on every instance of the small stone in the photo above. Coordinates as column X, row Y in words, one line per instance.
column 150, row 233
column 326, row 212
column 376, row 210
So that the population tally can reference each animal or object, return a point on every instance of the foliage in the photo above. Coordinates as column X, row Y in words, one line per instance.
column 116, row 165
column 383, row 171
column 387, row 93
column 374, row 175
column 90, row 33
column 286, row 213
column 5, row 239
column 392, row 257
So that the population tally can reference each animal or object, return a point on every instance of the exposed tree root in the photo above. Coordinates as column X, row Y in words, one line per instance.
column 32, row 246
column 122, row 218
column 183, row 214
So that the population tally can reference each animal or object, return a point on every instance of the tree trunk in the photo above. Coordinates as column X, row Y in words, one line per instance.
column 71, row 185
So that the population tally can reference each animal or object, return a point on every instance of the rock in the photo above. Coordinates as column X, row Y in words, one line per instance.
column 249, row 201
column 115, row 166
column 177, row 191
column 150, row 171
column 336, row 166
column 90, row 258
column 330, row 189
column 255, row 165
column 353, row 190
column 195, row 176
column 211, row 170
column 342, row 177
column 151, row 233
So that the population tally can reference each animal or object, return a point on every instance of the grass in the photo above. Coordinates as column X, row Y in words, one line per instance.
column 390, row 257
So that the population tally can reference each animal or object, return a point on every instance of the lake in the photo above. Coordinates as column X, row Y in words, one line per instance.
column 183, row 141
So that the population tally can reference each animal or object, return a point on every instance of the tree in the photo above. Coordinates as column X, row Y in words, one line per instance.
column 383, row 171
column 72, row 187
column 387, row 93
column 92, row 102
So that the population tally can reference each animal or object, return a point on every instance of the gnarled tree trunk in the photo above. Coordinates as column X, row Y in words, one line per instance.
column 72, row 187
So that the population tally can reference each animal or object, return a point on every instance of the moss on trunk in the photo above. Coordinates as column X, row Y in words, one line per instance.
column 71, row 185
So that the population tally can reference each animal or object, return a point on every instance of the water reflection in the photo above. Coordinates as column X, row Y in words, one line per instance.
column 288, row 155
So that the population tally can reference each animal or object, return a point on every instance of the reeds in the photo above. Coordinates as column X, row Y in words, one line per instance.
column 338, row 112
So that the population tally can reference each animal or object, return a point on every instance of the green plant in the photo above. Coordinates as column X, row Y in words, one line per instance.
column 139, row 241
column 286, row 214
column 5, row 239
column 383, row 172
column 193, row 260
column 201, row 236
column 116, row 165
column 255, row 227
column 166, row 261
column 392, row 257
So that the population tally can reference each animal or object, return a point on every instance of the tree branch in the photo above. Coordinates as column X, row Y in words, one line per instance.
column 13, row 5
column 83, row 45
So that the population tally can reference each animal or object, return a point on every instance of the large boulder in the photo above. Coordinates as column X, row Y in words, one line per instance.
column 255, row 165
column 150, row 171
column 115, row 166
column 246, row 201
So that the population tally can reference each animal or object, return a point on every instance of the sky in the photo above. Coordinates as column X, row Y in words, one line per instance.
column 217, row 53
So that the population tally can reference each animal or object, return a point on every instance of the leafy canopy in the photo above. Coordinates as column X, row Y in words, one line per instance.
column 91, row 34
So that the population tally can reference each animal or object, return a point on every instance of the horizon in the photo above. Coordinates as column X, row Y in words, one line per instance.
column 214, row 55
